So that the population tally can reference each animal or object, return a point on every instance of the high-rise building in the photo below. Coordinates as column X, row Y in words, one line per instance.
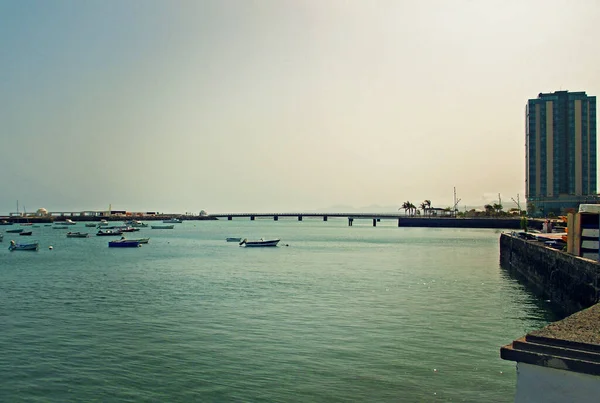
column 560, row 151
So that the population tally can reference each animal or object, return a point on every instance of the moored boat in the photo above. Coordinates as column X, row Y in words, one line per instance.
column 1, row 237
column 4, row 222
column 14, row 231
column 60, row 227
column 77, row 235
column 141, row 240
column 26, row 233
column 259, row 243
column 135, row 224
column 232, row 239
column 124, row 243
column 65, row 222
column 90, row 224
column 23, row 246
column 127, row 229
column 173, row 220
column 162, row 226
column 108, row 232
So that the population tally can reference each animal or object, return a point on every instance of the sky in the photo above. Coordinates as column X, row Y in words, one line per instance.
column 278, row 105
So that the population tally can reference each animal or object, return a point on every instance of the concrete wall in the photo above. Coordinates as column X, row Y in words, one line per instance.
column 571, row 283
column 548, row 385
column 447, row 222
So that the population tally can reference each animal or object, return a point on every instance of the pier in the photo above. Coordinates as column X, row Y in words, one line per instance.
column 372, row 219
column 401, row 219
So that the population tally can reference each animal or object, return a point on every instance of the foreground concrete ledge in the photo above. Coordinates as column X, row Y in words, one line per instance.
column 571, row 344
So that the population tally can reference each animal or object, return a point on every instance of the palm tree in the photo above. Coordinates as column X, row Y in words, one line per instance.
column 405, row 207
column 427, row 202
column 413, row 208
column 423, row 206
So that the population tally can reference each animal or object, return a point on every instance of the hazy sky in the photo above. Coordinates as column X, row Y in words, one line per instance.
column 274, row 105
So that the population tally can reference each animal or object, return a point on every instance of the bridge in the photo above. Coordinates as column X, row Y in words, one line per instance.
column 403, row 220
column 351, row 216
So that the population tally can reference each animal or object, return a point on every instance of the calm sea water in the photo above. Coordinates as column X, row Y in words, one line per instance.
column 342, row 314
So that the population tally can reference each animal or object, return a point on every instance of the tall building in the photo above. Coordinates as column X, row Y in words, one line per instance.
column 560, row 151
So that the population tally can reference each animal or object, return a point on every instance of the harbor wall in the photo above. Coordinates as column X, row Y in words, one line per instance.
column 571, row 283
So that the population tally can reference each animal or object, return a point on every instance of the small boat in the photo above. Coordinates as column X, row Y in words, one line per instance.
column 23, row 246
column 14, row 231
column 65, row 222
column 102, row 223
column 127, row 229
column 25, row 233
column 233, row 239
column 173, row 220
column 124, row 243
column 135, row 224
column 4, row 222
column 141, row 240
column 261, row 242
column 108, row 232
column 1, row 237
column 162, row 226
column 26, row 224
column 90, row 224
column 60, row 227
column 77, row 234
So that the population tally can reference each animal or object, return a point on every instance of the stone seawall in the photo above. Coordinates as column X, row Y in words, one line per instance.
column 447, row 222
column 570, row 282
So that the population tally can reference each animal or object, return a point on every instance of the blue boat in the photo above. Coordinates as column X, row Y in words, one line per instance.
column 124, row 243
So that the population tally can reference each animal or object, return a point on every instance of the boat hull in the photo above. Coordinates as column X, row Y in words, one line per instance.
column 259, row 244
column 162, row 226
column 30, row 246
column 124, row 243
column 77, row 235
column 109, row 233
column 141, row 240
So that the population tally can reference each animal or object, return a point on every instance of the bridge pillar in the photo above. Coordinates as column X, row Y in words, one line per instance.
column 275, row 218
column 324, row 218
column 229, row 218
column 251, row 218
column 374, row 222
column 299, row 218
column 350, row 220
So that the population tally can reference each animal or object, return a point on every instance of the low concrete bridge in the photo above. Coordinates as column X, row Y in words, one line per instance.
column 403, row 220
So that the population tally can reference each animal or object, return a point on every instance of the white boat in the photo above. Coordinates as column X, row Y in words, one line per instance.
column 136, row 224
column 162, row 226
column 102, row 223
column 173, row 220
column 23, row 246
column 65, row 222
column 259, row 243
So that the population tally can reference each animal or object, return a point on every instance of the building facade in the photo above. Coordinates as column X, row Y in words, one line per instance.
column 561, row 169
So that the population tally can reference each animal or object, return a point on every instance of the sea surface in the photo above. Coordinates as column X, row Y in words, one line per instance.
column 333, row 314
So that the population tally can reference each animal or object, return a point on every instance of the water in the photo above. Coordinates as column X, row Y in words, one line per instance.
column 342, row 314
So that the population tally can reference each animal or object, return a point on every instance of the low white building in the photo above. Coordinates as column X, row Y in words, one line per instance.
column 559, row 363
